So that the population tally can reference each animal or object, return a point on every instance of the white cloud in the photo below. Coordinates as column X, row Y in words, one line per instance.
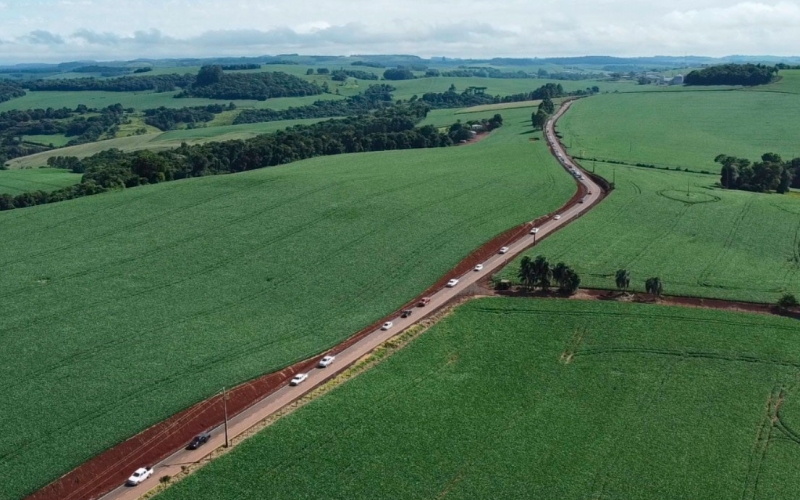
column 122, row 29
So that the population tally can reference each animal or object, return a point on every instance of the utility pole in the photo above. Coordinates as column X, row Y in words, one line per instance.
column 225, row 407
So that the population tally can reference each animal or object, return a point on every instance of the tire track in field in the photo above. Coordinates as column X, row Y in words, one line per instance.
column 727, row 247
column 761, row 445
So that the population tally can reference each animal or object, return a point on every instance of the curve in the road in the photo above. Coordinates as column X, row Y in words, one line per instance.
column 252, row 402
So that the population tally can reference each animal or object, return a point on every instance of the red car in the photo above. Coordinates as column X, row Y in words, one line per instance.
column 424, row 302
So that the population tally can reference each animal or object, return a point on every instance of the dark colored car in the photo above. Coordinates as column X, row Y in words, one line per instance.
column 199, row 440
column 406, row 313
column 424, row 301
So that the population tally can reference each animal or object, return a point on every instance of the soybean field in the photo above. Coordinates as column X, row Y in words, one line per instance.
column 518, row 398
column 124, row 308
column 700, row 240
column 16, row 182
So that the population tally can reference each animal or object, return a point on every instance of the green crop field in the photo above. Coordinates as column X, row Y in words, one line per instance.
column 713, row 243
column 159, row 141
column 16, row 182
column 57, row 140
column 516, row 398
column 123, row 308
column 685, row 129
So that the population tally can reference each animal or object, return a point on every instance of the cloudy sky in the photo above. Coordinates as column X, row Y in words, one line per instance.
column 61, row 30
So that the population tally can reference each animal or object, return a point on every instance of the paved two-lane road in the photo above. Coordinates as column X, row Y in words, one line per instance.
column 286, row 395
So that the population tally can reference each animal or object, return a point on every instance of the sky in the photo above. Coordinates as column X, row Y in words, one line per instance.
column 68, row 30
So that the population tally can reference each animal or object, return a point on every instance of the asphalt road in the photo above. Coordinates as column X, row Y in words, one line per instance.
column 287, row 394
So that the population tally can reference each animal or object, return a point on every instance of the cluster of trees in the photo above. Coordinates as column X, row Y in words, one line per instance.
column 213, row 83
column 340, row 75
column 169, row 118
column 539, row 273
column 375, row 97
column 769, row 174
column 10, row 90
column 542, row 114
column 386, row 129
column 15, row 124
column 398, row 74
column 145, row 69
column 460, row 132
column 653, row 286
column 157, row 83
column 732, row 74
column 240, row 67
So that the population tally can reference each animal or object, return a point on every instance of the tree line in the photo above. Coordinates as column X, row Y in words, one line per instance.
column 10, row 90
column 374, row 97
column 240, row 67
column 341, row 75
column 169, row 118
column 213, row 83
column 539, row 273
column 732, row 74
column 387, row 129
column 157, row 83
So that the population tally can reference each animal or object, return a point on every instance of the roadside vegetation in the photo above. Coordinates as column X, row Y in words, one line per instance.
column 553, row 398
column 122, row 309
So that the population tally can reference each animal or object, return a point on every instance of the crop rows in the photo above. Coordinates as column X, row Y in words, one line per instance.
column 483, row 406
column 124, row 308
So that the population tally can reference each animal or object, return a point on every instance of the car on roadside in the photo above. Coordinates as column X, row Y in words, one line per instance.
column 299, row 379
column 406, row 313
column 557, row 217
column 139, row 476
column 387, row 325
column 199, row 440
column 504, row 250
column 534, row 230
column 424, row 301
column 326, row 361
column 479, row 267
column 453, row 282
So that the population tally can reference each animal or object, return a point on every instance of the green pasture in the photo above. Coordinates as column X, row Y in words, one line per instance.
column 57, row 140
column 16, row 182
column 711, row 243
column 121, row 309
column 683, row 129
column 520, row 398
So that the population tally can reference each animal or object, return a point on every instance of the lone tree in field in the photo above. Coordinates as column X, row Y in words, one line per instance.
column 547, row 106
column 567, row 279
column 654, row 287
column 788, row 301
column 542, row 273
column 623, row 279
column 525, row 274
column 539, row 120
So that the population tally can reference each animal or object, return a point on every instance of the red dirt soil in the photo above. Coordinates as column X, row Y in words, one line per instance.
column 111, row 468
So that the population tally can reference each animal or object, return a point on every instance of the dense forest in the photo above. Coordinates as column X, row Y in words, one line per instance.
column 772, row 173
column 169, row 118
column 213, row 83
column 340, row 75
column 398, row 74
column 387, row 129
column 733, row 74
column 157, row 83
column 10, row 90
column 375, row 97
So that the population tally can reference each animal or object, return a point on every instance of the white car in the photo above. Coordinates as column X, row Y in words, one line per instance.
column 326, row 361
column 557, row 217
column 387, row 325
column 534, row 230
column 139, row 476
column 479, row 267
column 453, row 282
column 299, row 379
column 504, row 250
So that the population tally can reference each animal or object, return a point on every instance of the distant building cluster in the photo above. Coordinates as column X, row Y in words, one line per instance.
column 656, row 79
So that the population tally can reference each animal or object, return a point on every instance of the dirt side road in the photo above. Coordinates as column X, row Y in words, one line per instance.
column 257, row 400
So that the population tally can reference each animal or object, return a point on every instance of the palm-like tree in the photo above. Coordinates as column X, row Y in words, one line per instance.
column 654, row 287
column 542, row 273
column 560, row 272
column 525, row 274
column 623, row 279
